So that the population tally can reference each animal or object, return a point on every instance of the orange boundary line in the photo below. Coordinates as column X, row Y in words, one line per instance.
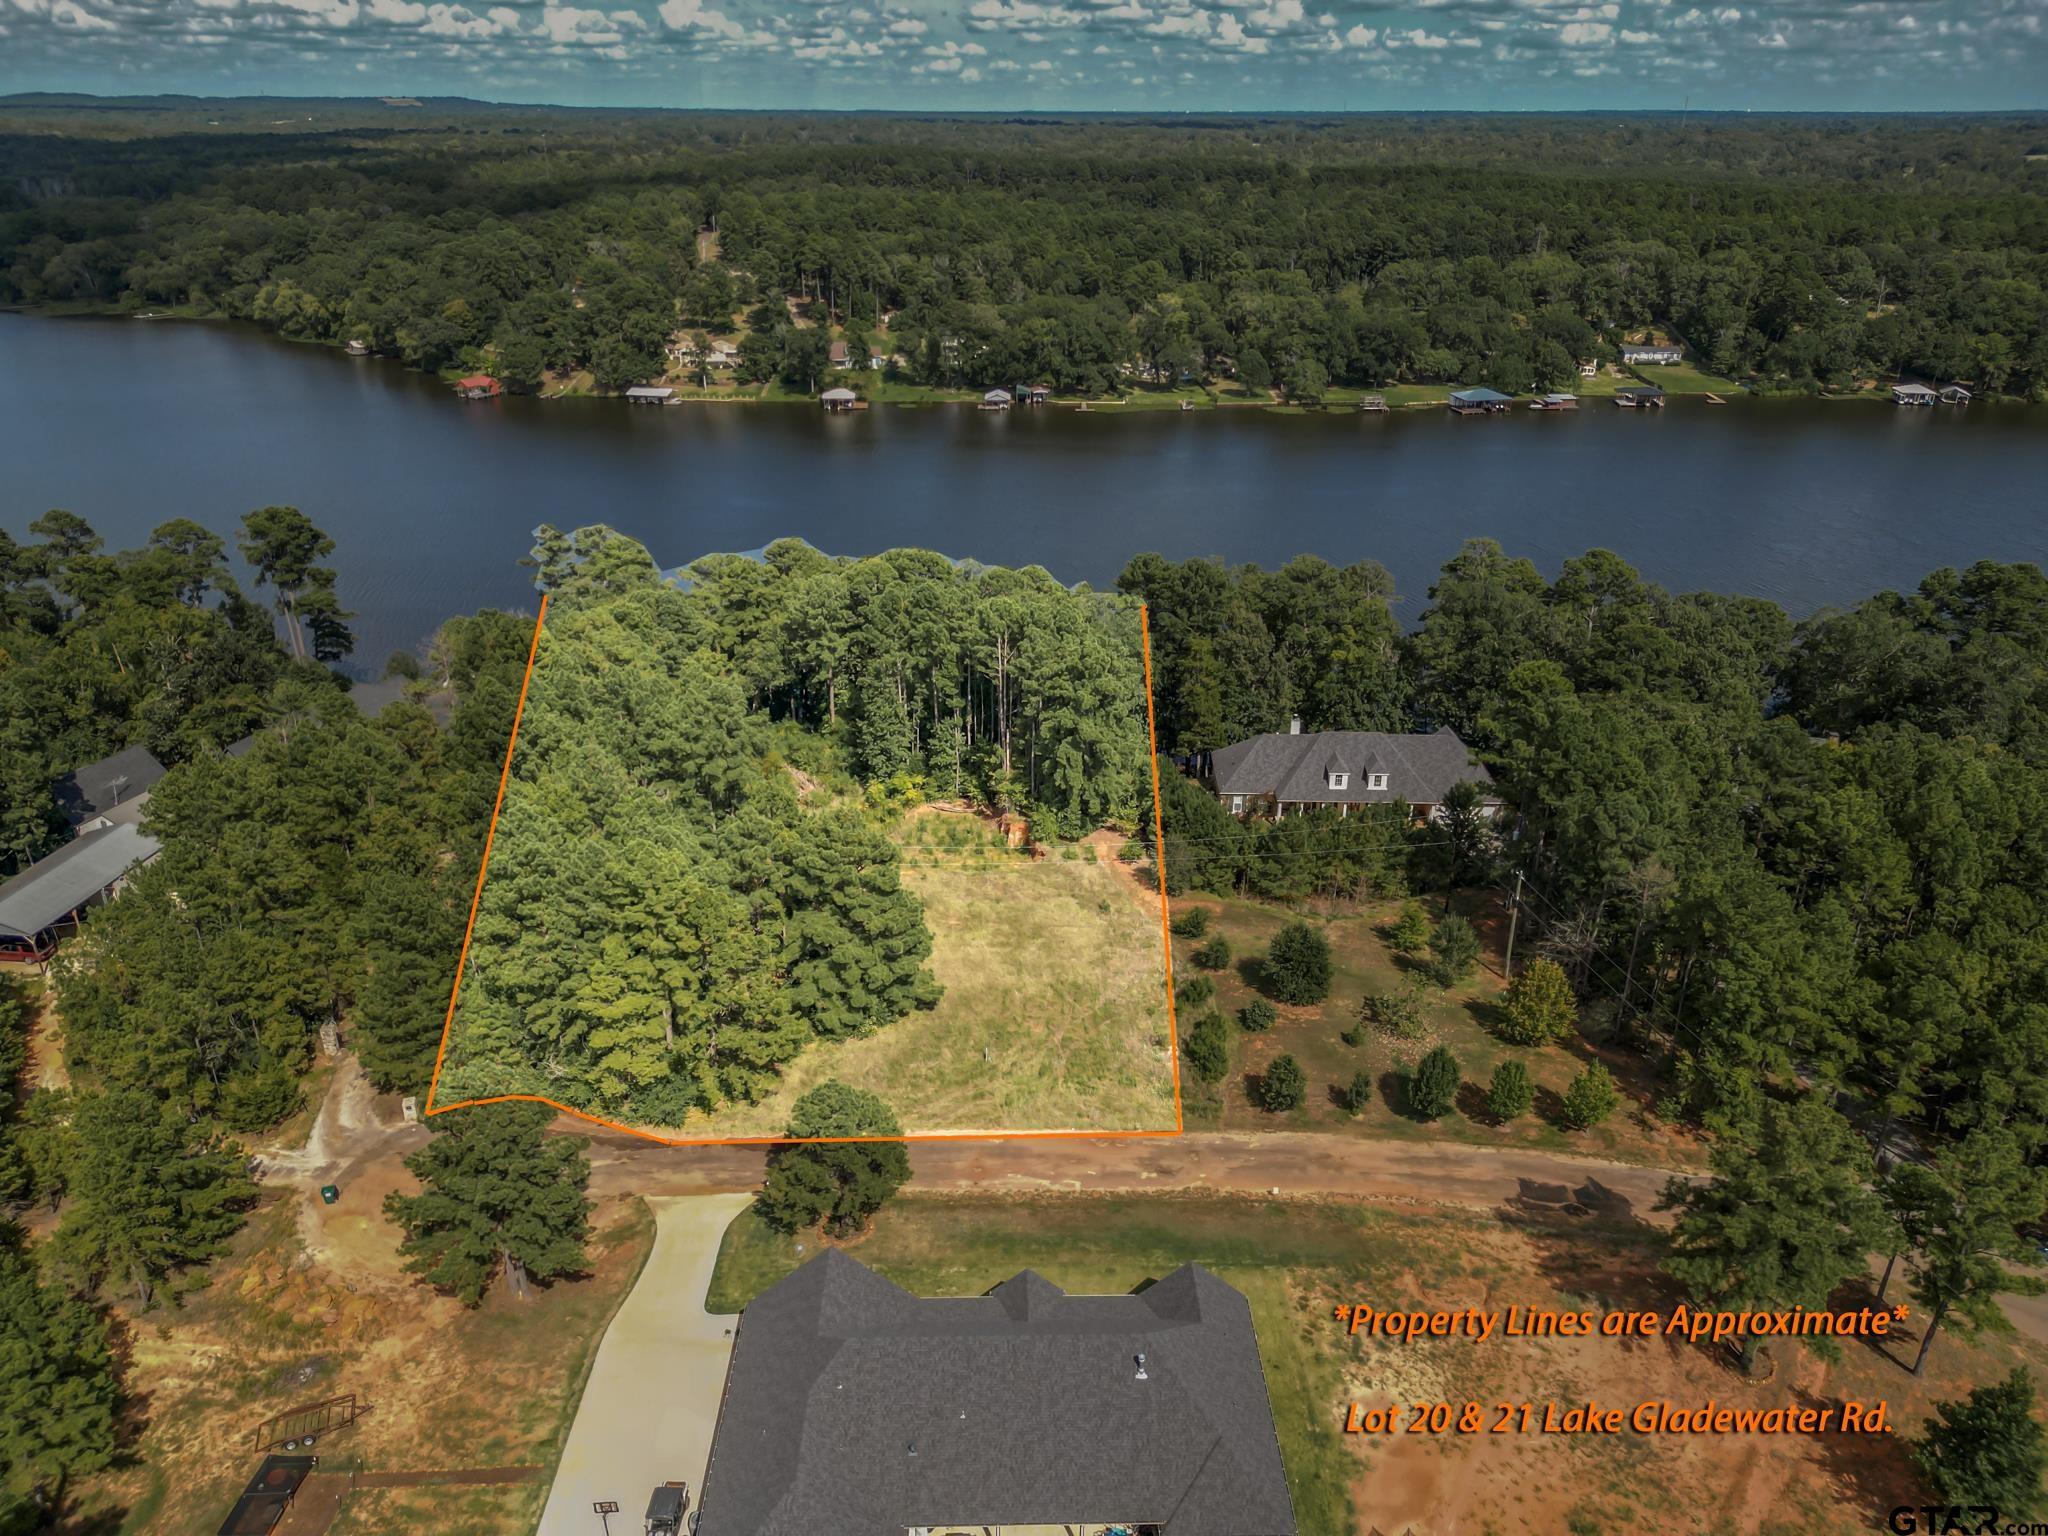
column 476, row 900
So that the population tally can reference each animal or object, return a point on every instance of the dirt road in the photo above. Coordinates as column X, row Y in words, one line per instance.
column 652, row 1399
column 1282, row 1163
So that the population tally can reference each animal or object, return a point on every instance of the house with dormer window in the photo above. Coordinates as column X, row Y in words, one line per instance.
column 1284, row 773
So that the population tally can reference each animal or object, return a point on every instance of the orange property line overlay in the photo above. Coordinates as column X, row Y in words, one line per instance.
column 476, row 900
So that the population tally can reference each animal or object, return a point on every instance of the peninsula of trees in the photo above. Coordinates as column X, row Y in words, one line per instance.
column 1297, row 253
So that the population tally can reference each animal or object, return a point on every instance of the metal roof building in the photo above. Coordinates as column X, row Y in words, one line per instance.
column 853, row 1408
column 85, row 868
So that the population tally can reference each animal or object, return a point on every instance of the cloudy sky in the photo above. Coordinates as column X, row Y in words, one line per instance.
column 1054, row 54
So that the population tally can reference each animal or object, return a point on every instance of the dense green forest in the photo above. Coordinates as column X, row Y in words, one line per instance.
column 683, row 892
column 1291, row 252
column 1801, row 865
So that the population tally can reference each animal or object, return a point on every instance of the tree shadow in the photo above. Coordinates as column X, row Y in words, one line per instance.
column 1251, row 970
column 1874, row 1471
column 1488, row 1016
column 1393, row 1087
column 1549, row 1106
column 1471, row 1103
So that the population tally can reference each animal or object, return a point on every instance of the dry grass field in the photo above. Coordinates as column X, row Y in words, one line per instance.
column 1054, row 1015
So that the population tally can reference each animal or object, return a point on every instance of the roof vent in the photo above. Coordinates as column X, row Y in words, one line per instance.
column 1141, row 1367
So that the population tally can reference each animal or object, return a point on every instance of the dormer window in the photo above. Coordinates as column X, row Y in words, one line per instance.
column 1339, row 780
column 1376, row 781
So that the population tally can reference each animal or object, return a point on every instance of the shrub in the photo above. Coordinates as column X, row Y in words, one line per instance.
column 1194, row 992
column 1409, row 932
column 1986, row 1449
column 1510, row 1093
column 1456, row 946
column 1257, row 1016
column 1297, row 968
column 1214, row 955
column 1207, row 1048
column 1539, row 1006
column 1358, row 1097
column 1398, row 1013
column 1193, row 923
column 1434, row 1087
column 1591, row 1098
column 1283, row 1086
column 1131, row 851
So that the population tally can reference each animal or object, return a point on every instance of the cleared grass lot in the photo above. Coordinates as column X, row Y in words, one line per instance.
column 1054, row 1013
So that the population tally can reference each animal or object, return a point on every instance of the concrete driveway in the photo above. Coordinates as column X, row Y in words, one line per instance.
column 652, row 1401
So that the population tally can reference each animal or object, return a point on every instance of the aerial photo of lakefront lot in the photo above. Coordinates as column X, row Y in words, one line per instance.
column 1166, row 768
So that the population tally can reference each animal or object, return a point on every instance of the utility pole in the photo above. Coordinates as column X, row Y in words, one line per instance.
column 1514, row 916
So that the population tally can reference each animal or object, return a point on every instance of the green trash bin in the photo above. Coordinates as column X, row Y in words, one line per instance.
column 329, row 1193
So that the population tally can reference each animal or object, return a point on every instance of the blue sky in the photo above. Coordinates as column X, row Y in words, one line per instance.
column 1203, row 55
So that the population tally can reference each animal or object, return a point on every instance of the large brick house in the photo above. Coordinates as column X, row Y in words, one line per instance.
column 1285, row 772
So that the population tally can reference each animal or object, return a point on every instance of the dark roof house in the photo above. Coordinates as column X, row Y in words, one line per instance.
column 853, row 1408
column 1290, row 770
column 98, row 787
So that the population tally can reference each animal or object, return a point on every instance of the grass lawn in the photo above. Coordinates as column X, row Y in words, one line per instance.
column 1684, row 379
column 1462, row 1019
column 447, row 1388
column 1054, row 1011
column 1295, row 1261
column 1152, row 397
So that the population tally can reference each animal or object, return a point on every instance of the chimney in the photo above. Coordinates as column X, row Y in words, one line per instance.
column 1141, row 1367
column 1294, row 726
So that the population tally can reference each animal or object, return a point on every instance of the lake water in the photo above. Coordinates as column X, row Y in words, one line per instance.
column 432, row 499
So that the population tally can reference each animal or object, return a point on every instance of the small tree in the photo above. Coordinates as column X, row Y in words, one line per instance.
column 1192, row 923
column 1194, row 992
column 1297, row 968
column 1591, row 1098
column 1207, row 1048
column 1510, row 1093
column 839, row 1184
column 1456, row 947
column 1214, row 955
column 1257, row 1016
column 1283, row 1086
column 1987, row 1449
column 1410, row 931
column 500, row 1196
column 1358, row 1097
column 1434, row 1087
column 1539, row 1006
column 1398, row 1012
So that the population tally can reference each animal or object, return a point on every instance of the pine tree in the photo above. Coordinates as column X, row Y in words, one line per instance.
column 1783, row 1221
column 501, row 1196
column 1207, row 1048
column 1590, row 1099
column 1282, row 1086
column 58, row 1392
column 837, row 1184
column 1456, row 946
column 1987, row 1449
column 1297, row 965
column 1976, row 1200
column 1539, row 1006
column 1433, row 1088
column 1510, row 1094
column 150, row 1194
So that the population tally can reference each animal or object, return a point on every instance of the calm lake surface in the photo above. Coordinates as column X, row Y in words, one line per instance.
column 432, row 499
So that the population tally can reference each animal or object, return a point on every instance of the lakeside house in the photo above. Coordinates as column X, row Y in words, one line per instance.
column 877, row 358
column 1287, row 772
column 1590, row 369
column 1640, row 397
column 651, row 394
column 1033, row 394
column 837, row 354
column 478, row 386
column 1478, row 402
column 1633, row 353
column 1914, row 394
column 852, row 1405
column 996, row 400
column 839, row 399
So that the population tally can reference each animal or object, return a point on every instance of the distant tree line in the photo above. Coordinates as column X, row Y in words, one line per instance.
column 1799, row 253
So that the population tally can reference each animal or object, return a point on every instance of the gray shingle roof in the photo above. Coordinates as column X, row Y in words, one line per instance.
column 1419, row 769
column 72, row 876
column 853, row 1408
column 85, row 792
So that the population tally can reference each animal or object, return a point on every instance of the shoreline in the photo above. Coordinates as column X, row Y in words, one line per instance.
column 1421, row 397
